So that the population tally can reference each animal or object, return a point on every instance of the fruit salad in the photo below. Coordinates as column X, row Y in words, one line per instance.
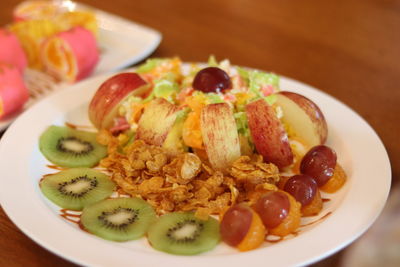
column 189, row 155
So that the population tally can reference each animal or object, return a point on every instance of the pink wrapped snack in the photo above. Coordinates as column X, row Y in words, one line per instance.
column 13, row 92
column 11, row 51
column 71, row 55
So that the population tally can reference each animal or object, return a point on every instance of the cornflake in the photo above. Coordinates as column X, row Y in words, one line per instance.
column 184, row 182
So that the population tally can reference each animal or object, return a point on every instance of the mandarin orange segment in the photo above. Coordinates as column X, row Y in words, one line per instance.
column 191, row 132
column 336, row 182
column 314, row 207
column 292, row 222
column 255, row 236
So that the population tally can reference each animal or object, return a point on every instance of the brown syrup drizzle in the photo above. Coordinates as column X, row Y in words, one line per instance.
column 318, row 220
column 279, row 239
column 326, row 199
column 66, row 214
column 55, row 167
column 74, row 126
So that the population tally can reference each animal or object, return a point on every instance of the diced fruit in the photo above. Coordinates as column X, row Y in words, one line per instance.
column 241, row 227
column 211, row 79
column 268, row 134
column 220, row 136
column 174, row 142
column 70, row 55
column 156, row 122
column 303, row 118
column 13, row 92
column 105, row 103
column 319, row 163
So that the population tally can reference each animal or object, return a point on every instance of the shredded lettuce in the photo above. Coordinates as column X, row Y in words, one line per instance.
column 163, row 88
column 149, row 65
column 243, row 128
column 261, row 84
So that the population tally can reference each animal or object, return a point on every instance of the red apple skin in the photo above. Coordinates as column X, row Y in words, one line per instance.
column 156, row 121
column 313, row 111
column 268, row 134
column 105, row 102
column 220, row 136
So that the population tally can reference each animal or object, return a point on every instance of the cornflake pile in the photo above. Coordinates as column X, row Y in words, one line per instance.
column 184, row 182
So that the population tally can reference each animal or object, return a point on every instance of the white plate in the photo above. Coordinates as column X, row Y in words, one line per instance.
column 121, row 42
column 353, row 208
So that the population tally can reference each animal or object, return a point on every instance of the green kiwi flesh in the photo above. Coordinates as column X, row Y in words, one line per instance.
column 68, row 147
column 182, row 233
column 119, row 219
column 77, row 187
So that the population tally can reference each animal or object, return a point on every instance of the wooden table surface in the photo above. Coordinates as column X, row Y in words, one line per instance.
column 349, row 49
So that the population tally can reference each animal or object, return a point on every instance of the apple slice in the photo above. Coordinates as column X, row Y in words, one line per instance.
column 303, row 117
column 156, row 121
column 268, row 134
column 106, row 101
column 220, row 135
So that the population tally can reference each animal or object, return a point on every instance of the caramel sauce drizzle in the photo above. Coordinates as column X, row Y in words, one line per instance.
column 55, row 167
column 318, row 220
column 74, row 126
column 326, row 199
column 71, row 217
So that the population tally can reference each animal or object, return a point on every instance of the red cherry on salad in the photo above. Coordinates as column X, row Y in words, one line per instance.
column 319, row 163
column 211, row 80
column 302, row 187
column 273, row 207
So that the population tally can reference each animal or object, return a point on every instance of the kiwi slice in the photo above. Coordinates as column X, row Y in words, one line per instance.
column 182, row 233
column 118, row 219
column 75, row 188
column 68, row 147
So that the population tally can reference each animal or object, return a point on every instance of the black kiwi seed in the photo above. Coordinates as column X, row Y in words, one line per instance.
column 77, row 187
column 64, row 145
column 63, row 186
column 193, row 236
column 123, row 224
column 184, row 234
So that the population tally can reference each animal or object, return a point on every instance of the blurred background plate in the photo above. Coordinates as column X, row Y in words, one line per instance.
column 121, row 42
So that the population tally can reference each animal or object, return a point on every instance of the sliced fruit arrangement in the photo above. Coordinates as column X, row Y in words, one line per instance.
column 68, row 147
column 118, row 219
column 70, row 55
column 107, row 100
column 215, row 140
column 76, row 188
column 220, row 135
column 184, row 234
column 51, row 36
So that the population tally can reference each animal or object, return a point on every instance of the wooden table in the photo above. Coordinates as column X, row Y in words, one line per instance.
column 348, row 49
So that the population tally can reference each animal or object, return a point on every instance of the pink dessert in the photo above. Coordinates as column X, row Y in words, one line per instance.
column 70, row 55
column 13, row 92
column 11, row 51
